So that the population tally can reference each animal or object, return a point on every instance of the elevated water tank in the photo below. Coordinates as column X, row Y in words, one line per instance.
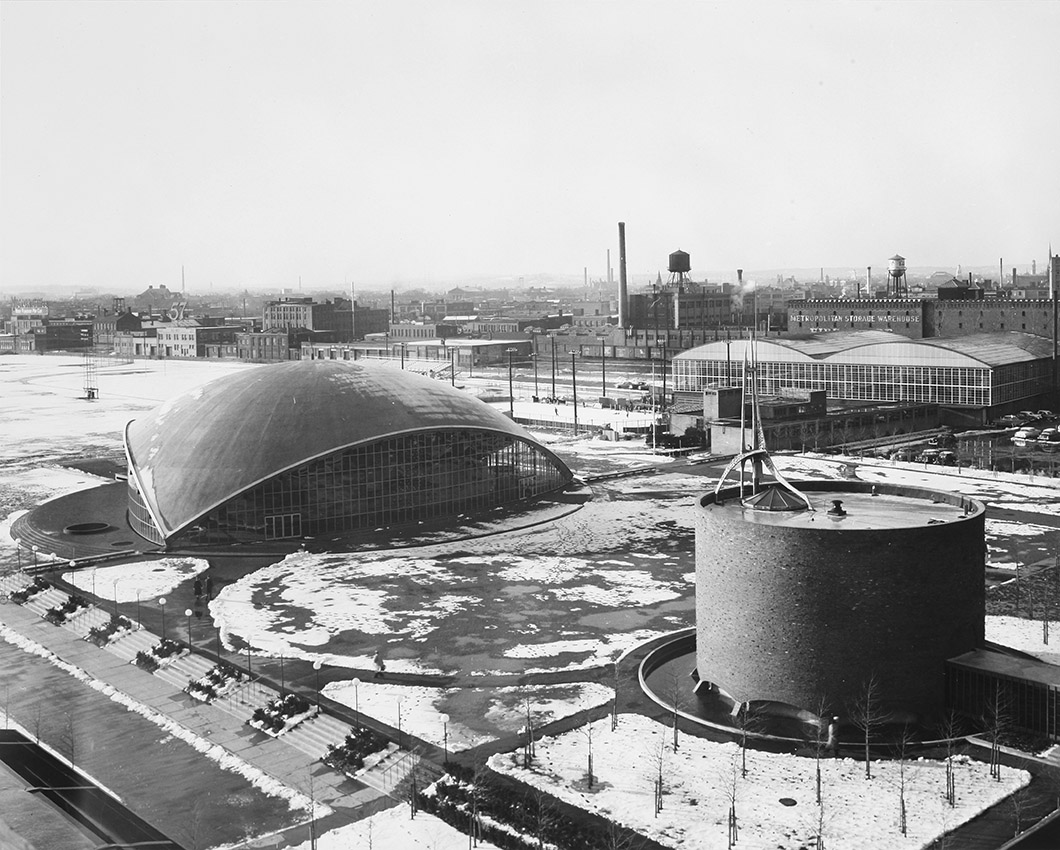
column 680, row 262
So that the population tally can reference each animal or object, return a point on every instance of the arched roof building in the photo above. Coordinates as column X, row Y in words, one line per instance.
column 991, row 372
column 324, row 447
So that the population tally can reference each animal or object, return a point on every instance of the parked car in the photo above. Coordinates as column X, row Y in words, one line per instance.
column 928, row 456
column 1029, row 415
column 1046, row 414
column 948, row 458
column 903, row 455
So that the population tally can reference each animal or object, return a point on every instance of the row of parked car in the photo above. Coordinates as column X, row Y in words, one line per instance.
column 1025, row 417
column 942, row 457
column 1028, row 436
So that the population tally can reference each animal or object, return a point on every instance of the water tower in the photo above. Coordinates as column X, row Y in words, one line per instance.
column 680, row 266
column 896, row 271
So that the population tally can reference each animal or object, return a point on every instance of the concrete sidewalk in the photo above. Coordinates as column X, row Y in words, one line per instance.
column 292, row 760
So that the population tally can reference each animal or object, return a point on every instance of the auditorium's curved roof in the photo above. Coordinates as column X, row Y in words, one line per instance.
column 204, row 446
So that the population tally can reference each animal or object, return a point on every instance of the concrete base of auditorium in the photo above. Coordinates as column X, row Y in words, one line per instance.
column 91, row 526
column 668, row 677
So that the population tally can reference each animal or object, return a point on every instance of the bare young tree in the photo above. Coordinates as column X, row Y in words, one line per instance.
column 733, row 826
column 996, row 721
column 676, row 702
column 750, row 720
column 823, row 730
column 615, row 838
column 1018, row 801
column 528, row 745
column 950, row 728
column 587, row 732
column 656, row 761
column 902, row 745
column 66, row 741
column 867, row 714
column 479, row 781
column 38, row 722
column 542, row 813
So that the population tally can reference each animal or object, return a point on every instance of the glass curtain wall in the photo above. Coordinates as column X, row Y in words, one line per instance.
column 858, row 382
column 396, row 481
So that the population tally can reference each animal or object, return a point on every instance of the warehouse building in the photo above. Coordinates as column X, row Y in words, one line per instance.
column 974, row 379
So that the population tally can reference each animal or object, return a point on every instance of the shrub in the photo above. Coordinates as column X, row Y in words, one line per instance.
column 146, row 661
column 349, row 755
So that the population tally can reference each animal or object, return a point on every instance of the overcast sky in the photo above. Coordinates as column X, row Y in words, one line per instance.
column 415, row 143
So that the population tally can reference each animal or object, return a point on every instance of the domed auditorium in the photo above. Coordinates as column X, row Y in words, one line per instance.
column 323, row 447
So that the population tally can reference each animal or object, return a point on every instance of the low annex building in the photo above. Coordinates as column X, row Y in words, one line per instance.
column 317, row 447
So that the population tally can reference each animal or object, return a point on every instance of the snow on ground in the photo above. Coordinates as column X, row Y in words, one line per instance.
column 775, row 804
column 394, row 829
column 436, row 607
column 45, row 413
column 1007, row 528
column 602, row 651
column 144, row 580
column 1026, row 636
column 998, row 488
column 420, row 710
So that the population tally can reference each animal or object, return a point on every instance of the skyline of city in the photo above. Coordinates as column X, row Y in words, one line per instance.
column 256, row 145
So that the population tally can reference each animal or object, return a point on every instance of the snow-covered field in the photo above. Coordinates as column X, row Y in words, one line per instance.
column 574, row 593
column 143, row 580
column 475, row 715
column 1026, row 635
column 395, row 829
column 776, row 805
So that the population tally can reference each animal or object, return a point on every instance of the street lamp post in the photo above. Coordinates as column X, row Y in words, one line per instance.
column 316, row 675
column 283, row 683
column 402, row 355
column 536, row 393
column 603, row 370
column 162, row 603
column 18, row 551
column 574, row 389
column 552, row 339
column 452, row 366
column 445, row 737
column 217, row 634
column 139, row 625
column 34, row 547
column 114, row 593
column 187, row 613
column 356, row 703
column 511, row 392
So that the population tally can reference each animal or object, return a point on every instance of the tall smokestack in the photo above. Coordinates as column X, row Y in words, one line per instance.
column 623, row 307
column 610, row 279
column 868, row 282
